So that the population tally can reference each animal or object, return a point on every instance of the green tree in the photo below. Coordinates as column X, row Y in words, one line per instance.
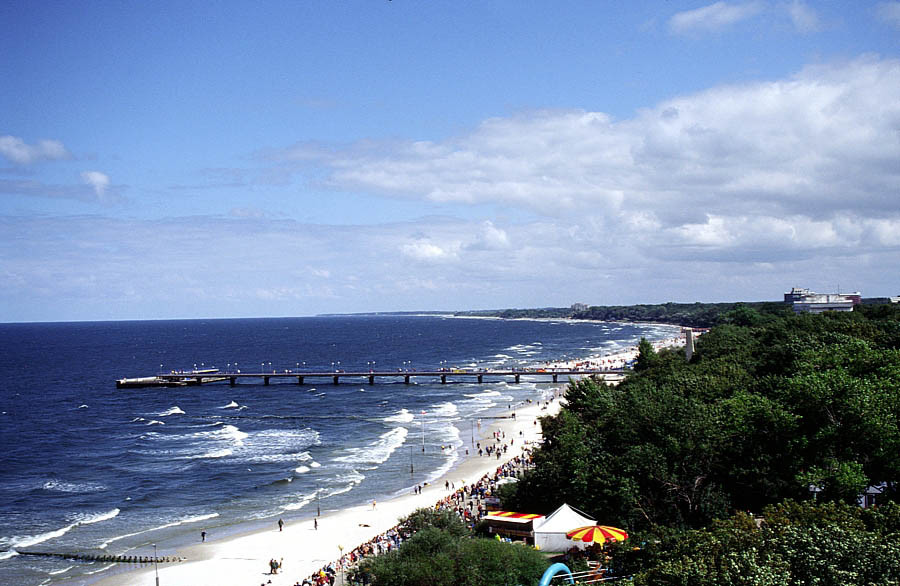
column 434, row 557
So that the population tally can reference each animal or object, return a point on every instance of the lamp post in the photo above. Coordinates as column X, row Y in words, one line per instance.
column 341, row 549
column 156, row 564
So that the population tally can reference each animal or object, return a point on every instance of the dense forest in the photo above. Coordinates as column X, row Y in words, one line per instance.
column 686, row 314
column 699, row 315
column 786, row 417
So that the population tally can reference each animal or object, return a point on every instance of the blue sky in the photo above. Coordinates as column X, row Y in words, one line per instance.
column 188, row 159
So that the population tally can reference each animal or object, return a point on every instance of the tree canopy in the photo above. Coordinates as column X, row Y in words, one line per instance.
column 773, row 406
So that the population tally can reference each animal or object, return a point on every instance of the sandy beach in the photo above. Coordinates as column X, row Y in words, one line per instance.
column 242, row 560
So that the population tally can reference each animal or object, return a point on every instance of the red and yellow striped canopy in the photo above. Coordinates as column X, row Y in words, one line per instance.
column 514, row 515
column 597, row 534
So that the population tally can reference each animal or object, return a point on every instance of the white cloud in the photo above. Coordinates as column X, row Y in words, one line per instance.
column 889, row 12
column 489, row 237
column 98, row 181
column 18, row 151
column 804, row 18
column 713, row 17
column 820, row 145
column 426, row 251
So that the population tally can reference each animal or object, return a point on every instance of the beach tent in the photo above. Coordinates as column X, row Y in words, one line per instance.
column 550, row 533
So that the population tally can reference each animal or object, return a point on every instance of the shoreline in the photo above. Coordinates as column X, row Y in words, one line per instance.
column 242, row 559
column 242, row 554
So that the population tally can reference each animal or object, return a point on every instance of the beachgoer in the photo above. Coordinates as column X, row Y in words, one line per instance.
column 202, row 536
column 316, row 524
column 373, row 504
column 280, row 525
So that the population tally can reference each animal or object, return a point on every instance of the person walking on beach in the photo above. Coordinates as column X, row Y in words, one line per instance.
column 202, row 536
column 373, row 504
column 280, row 525
column 315, row 524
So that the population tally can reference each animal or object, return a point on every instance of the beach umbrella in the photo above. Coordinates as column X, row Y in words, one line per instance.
column 597, row 534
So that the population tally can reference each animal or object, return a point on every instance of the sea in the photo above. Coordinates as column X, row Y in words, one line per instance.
column 91, row 469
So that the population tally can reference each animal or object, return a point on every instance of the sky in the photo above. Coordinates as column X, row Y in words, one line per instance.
column 243, row 159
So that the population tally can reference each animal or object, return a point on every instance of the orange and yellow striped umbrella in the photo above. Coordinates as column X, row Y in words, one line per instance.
column 597, row 534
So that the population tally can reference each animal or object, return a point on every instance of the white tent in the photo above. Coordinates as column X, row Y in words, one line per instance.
column 550, row 534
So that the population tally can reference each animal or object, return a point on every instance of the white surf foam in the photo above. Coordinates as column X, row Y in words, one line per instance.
column 377, row 452
column 62, row 571
column 444, row 410
column 103, row 569
column 176, row 410
column 74, row 487
column 402, row 416
column 352, row 478
column 304, row 500
column 231, row 405
column 30, row 540
column 186, row 520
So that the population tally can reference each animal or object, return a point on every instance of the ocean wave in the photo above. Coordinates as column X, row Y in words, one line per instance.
column 452, row 458
column 224, row 452
column 446, row 409
column 156, row 422
column 231, row 405
column 74, row 487
column 377, row 452
column 176, row 410
column 62, row 571
column 353, row 478
column 184, row 521
column 103, row 569
column 304, row 500
column 29, row 540
column 136, row 419
column 82, row 406
column 483, row 394
column 402, row 416
column 277, row 445
column 221, row 441
column 302, row 469
column 447, row 435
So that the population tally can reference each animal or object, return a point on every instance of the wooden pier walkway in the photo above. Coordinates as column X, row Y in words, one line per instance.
column 189, row 378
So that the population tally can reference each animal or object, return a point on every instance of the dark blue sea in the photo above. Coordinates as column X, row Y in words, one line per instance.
column 88, row 468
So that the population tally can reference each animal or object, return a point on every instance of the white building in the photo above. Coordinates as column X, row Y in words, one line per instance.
column 806, row 301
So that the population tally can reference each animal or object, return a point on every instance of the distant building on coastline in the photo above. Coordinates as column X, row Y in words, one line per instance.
column 806, row 301
column 579, row 307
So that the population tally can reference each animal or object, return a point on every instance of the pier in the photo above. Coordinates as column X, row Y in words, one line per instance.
column 195, row 378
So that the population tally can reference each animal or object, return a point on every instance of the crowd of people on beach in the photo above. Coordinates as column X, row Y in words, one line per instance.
column 468, row 502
